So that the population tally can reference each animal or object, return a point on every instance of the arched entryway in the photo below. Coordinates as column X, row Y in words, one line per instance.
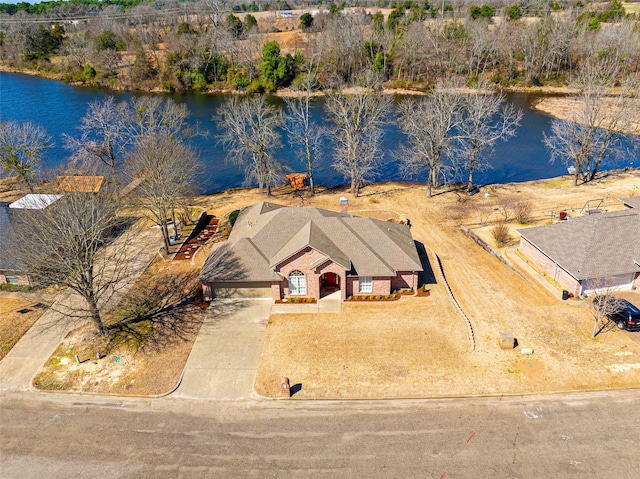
column 329, row 283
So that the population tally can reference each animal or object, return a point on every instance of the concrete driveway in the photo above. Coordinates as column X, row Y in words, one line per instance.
column 226, row 355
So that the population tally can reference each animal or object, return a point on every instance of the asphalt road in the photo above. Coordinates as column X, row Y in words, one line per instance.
column 65, row 436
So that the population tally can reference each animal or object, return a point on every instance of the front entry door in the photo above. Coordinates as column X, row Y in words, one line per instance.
column 330, row 284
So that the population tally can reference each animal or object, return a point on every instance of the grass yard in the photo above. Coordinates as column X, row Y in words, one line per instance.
column 17, row 315
column 414, row 347
column 419, row 346
column 365, row 351
column 150, row 337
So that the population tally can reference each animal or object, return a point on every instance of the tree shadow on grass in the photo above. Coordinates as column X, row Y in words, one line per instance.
column 157, row 313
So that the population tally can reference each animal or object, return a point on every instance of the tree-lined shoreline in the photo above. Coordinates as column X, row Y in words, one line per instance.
column 221, row 46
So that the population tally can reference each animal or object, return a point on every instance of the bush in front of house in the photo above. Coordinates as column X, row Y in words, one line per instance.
column 233, row 216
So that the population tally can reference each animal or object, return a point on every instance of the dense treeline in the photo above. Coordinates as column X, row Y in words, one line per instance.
column 207, row 45
column 52, row 6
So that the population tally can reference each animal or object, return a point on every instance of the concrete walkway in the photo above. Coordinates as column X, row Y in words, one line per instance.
column 331, row 303
column 225, row 357
column 25, row 359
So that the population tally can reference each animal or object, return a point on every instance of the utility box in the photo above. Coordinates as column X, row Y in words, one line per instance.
column 344, row 205
column 506, row 341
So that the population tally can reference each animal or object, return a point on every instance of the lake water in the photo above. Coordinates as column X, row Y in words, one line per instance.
column 58, row 107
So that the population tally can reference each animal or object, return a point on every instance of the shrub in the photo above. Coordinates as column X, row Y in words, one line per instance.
column 22, row 288
column 241, row 82
column 233, row 216
column 513, row 12
column 256, row 86
column 501, row 234
column 306, row 21
column 523, row 211
column 89, row 72
column 517, row 209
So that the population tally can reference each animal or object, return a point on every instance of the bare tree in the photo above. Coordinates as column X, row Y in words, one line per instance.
column 345, row 40
column 485, row 120
column 109, row 128
column 76, row 48
column 429, row 125
column 217, row 10
column 358, row 119
column 251, row 136
column 169, row 169
column 21, row 147
column 103, row 134
column 603, row 306
column 156, row 116
column 71, row 244
column 594, row 131
column 303, row 132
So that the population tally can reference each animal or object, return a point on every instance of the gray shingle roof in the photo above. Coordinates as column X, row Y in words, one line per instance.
column 632, row 201
column 237, row 261
column 363, row 246
column 312, row 235
column 8, row 217
column 594, row 246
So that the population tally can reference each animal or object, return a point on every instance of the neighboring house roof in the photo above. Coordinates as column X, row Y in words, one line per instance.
column 631, row 202
column 8, row 261
column 601, row 245
column 80, row 184
column 34, row 201
column 362, row 246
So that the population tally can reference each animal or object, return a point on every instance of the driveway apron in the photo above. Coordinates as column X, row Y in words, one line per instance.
column 225, row 357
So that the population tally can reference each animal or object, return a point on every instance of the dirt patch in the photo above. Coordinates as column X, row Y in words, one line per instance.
column 17, row 315
column 145, row 353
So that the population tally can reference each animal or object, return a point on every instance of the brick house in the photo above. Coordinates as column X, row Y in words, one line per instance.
column 280, row 252
column 588, row 253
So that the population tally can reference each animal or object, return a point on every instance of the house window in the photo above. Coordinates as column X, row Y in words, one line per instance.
column 366, row 284
column 297, row 283
column 11, row 278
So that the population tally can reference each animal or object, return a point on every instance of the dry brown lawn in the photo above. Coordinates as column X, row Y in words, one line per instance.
column 14, row 323
column 414, row 347
column 144, row 355
column 419, row 346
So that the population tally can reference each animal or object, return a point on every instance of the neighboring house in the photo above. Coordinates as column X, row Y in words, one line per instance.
column 12, row 271
column 279, row 252
column 588, row 253
column 80, row 184
column 34, row 201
